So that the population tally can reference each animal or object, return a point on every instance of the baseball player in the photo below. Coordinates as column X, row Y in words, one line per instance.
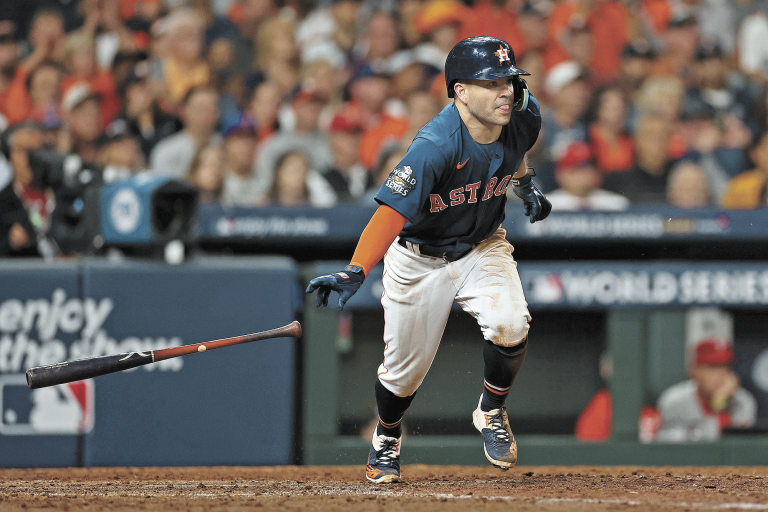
column 439, row 224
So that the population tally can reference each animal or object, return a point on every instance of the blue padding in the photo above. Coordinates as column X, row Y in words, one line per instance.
column 230, row 406
column 48, row 295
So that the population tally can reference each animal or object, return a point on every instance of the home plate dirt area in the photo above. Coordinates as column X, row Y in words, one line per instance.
column 423, row 488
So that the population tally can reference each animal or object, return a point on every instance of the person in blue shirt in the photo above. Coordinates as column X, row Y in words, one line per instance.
column 439, row 223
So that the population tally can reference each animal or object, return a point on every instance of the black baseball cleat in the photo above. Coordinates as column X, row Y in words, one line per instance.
column 499, row 443
column 383, row 459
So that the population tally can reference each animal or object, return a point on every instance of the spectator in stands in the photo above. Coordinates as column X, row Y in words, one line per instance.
column 704, row 137
column 216, row 26
column 749, row 189
column 297, row 184
column 698, row 409
column 439, row 22
column 662, row 96
column 173, row 155
column 34, row 92
column 595, row 421
column 495, row 18
column 240, row 185
column 637, row 60
column 17, row 234
column 226, row 79
column 757, row 121
column 38, row 96
column 263, row 108
column 120, row 152
column 646, row 181
column 349, row 179
column 606, row 21
column 37, row 198
column 206, row 172
column 369, row 91
column 610, row 143
column 248, row 15
column 327, row 79
column 688, row 186
column 579, row 45
column 82, row 68
column 81, row 111
column 306, row 136
column 752, row 44
column 380, row 42
column 9, row 59
column 563, row 124
column 580, row 182
column 141, row 111
column 46, row 36
column 406, row 12
column 330, row 29
column 421, row 107
column 103, row 24
column 680, row 43
column 183, row 66
column 277, row 53
column 533, row 27
column 717, row 86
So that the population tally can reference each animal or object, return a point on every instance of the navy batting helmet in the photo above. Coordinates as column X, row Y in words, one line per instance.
column 480, row 58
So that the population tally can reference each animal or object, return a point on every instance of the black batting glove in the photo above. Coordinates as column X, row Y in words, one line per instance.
column 537, row 207
column 346, row 282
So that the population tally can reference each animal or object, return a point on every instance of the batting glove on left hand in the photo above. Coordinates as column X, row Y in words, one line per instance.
column 345, row 282
column 537, row 207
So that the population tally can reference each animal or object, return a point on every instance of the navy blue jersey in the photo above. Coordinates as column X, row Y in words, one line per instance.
column 452, row 189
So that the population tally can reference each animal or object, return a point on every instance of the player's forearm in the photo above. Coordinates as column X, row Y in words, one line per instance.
column 377, row 236
column 522, row 169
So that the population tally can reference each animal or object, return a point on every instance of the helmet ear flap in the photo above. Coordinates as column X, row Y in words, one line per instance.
column 520, row 101
column 451, row 89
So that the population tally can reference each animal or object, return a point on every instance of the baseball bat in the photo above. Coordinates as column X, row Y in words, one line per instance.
column 61, row 373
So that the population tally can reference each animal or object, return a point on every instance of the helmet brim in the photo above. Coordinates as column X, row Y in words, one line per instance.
column 493, row 72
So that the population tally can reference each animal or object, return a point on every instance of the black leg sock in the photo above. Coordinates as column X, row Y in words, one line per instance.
column 501, row 367
column 391, row 410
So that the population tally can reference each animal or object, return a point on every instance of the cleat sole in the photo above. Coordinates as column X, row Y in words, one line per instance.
column 387, row 479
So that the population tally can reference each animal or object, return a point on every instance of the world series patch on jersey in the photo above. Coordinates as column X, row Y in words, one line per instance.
column 401, row 180
column 452, row 189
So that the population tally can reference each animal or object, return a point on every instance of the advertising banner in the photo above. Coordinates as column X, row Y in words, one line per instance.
column 212, row 408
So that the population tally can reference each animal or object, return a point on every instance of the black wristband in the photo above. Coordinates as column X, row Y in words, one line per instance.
column 523, row 180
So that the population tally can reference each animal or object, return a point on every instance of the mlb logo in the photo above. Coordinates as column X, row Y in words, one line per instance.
column 56, row 410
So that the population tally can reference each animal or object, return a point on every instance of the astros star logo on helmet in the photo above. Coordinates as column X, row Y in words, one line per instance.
column 503, row 54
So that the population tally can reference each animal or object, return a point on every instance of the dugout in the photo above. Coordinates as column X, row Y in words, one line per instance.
column 579, row 310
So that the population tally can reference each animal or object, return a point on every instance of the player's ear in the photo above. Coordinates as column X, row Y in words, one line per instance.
column 460, row 91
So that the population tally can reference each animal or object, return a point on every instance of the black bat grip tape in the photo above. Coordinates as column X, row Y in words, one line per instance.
column 61, row 373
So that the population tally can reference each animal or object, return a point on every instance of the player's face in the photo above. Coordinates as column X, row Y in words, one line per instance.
column 490, row 101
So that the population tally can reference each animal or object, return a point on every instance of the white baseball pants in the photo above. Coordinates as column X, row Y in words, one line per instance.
column 419, row 292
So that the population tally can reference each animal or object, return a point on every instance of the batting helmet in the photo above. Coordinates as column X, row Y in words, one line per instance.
column 480, row 58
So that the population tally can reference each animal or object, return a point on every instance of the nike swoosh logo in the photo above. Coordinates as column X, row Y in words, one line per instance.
column 459, row 166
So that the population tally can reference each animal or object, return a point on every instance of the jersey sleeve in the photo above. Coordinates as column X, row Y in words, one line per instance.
column 530, row 121
column 409, row 184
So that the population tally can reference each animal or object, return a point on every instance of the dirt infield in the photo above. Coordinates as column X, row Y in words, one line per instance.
column 424, row 488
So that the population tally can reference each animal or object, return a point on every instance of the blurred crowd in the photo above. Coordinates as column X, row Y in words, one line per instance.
column 302, row 102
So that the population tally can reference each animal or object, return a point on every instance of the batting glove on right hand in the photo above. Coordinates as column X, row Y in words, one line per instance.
column 537, row 207
column 345, row 282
